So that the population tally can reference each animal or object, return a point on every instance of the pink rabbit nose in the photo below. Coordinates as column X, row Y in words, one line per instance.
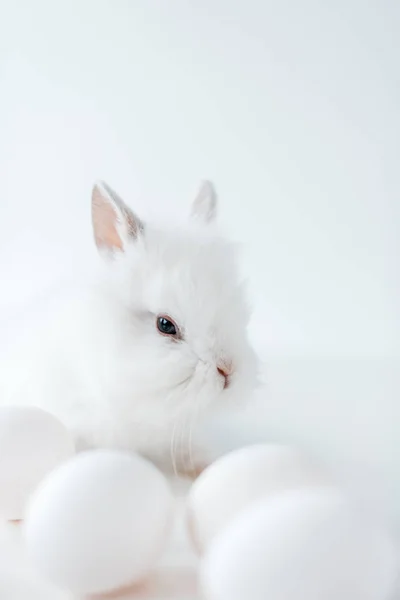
column 225, row 371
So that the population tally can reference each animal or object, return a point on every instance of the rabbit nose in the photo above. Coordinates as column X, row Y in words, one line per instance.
column 225, row 370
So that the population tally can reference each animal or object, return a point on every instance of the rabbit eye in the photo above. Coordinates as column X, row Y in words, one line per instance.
column 166, row 326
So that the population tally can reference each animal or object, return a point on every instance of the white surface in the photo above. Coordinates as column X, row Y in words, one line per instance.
column 99, row 522
column 241, row 478
column 301, row 545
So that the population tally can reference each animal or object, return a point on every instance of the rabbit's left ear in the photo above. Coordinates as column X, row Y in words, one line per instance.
column 204, row 207
column 114, row 224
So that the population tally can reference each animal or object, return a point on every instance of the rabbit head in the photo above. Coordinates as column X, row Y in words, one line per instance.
column 181, row 345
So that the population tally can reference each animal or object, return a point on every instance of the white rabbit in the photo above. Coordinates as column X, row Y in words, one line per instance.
column 133, row 356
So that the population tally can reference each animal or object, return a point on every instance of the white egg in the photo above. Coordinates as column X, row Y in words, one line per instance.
column 32, row 443
column 300, row 545
column 99, row 522
column 241, row 477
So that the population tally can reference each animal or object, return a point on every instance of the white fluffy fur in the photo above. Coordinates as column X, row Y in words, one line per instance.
column 98, row 362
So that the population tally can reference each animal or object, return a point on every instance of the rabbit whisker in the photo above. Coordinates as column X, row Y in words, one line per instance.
column 173, row 448
column 186, row 380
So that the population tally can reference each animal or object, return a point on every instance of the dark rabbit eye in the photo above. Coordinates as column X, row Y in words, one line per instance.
column 166, row 326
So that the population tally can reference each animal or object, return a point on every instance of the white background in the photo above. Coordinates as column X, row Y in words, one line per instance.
column 292, row 108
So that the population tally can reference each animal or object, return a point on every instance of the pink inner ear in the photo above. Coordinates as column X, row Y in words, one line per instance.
column 105, row 223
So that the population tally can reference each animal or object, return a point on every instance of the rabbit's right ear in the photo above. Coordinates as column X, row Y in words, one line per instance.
column 114, row 224
column 204, row 207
